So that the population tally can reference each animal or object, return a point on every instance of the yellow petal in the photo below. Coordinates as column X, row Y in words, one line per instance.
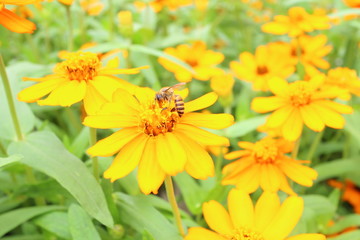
column 330, row 117
column 93, row 100
column 217, row 217
column 236, row 154
column 15, row 23
column 144, row 95
column 212, row 121
column 275, row 28
column 199, row 163
column 234, row 169
column 266, row 208
column 307, row 236
column 112, row 144
column 199, row 233
column 241, row 209
column 66, row 94
column 284, row 184
column 111, row 121
column 337, row 107
column 201, row 102
column 293, row 126
column 127, row 159
column 122, row 71
column 201, row 136
column 150, row 174
column 37, row 91
column 301, row 174
column 277, row 118
column 267, row 104
column 286, row 219
column 106, row 86
column 278, row 86
column 269, row 180
column 170, row 153
column 311, row 118
column 249, row 180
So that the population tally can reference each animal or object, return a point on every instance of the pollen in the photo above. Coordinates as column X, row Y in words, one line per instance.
column 157, row 120
column 245, row 234
column 266, row 151
column 80, row 66
column 300, row 93
column 262, row 70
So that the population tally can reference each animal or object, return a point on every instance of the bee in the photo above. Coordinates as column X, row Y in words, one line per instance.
column 166, row 95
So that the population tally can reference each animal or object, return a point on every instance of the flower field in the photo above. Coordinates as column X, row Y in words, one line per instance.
column 179, row 119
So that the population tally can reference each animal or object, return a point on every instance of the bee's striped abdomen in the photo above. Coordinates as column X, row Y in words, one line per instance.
column 179, row 105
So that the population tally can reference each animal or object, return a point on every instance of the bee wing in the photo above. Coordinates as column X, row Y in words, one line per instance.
column 179, row 86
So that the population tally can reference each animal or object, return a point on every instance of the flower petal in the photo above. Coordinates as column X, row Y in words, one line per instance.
column 278, row 117
column 311, row 118
column 241, row 209
column 110, row 71
column 237, row 154
column 106, row 86
column 307, row 236
column 170, row 153
column 278, row 86
column 93, row 100
column 15, row 23
column 293, row 126
column 111, row 121
column 267, row 104
column 199, row 163
column 330, row 117
column 112, row 144
column 150, row 174
column 269, row 179
column 337, row 107
column 217, row 217
column 201, row 102
column 249, row 180
column 301, row 174
column 212, row 121
column 232, row 170
column 201, row 136
column 199, row 233
column 127, row 159
column 265, row 209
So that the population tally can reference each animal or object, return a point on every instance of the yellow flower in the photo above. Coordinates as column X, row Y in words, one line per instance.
column 92, row 7
column 79, row 77
column 352, row 3
column 345, row 79
column 201, row 5
column 267, row 220
column 158, row 5
column 299, row 103
column 66, row 2
column 222, row 84
column 296, row 23
column 269, row 61
column 12, row 21
column 202, row 60
column 156, row 138
column 265, row 164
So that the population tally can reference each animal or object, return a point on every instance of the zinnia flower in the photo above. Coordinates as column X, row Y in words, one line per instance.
column 345, row 79
column 268, row 61
column 156, row 138
column 267, row 220
column 299, row 103
column 265, row 164
column 352, row 3
column 12, row 21
column 79, row 77
column 296, row 23
column 202, row 60
column 92, row 7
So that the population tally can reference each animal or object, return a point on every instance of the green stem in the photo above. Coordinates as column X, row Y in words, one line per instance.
column 314, row 145
column 10, row 100
column 70, row 28
column 295, row 150
column 30, row 177
column 95, row 160
column 111, row 16
column 171, row 198
column 2, row 149
column 218, row 164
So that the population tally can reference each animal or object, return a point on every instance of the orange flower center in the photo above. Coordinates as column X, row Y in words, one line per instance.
column 157, row 120
column 300, row 93
column 245, row 234
column 80, row 66
column 266, row 151
column 262, row 70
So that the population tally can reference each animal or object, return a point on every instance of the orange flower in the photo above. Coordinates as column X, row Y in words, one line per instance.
column 267, row 220
column 268, row 62
column 351, row 193
column 299, row 103
column 66, row 2
column 12, row 21
column 265, row 164
column 197, row 56
column 345, row 79
column 154, row 136
column 296, row 23
column 352, row 3
column 92, row 7
column 79, row 77
column 158, row 5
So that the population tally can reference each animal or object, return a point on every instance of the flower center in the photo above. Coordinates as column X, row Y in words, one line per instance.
column 245, row 234
column 262, row 70
column 300, row 93
column 266, row 151
column 80, row 66
column 157, row 119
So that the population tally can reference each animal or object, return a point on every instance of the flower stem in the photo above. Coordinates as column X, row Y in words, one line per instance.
column 95, row 160
column 70, row 28
column 295, row 150
column 171, row 197
column 10, row 100
column 314, row 145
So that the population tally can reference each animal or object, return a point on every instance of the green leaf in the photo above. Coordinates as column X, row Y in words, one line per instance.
column 354, row 235
column 19, row 216
column 24, row 237
column 336, row 168
column 139, row 60
column 81, row 227
column 9, row 160
column 142, row 216
column 56, row 223
column 44, row 152
column 242, row 128
column 352, row 220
